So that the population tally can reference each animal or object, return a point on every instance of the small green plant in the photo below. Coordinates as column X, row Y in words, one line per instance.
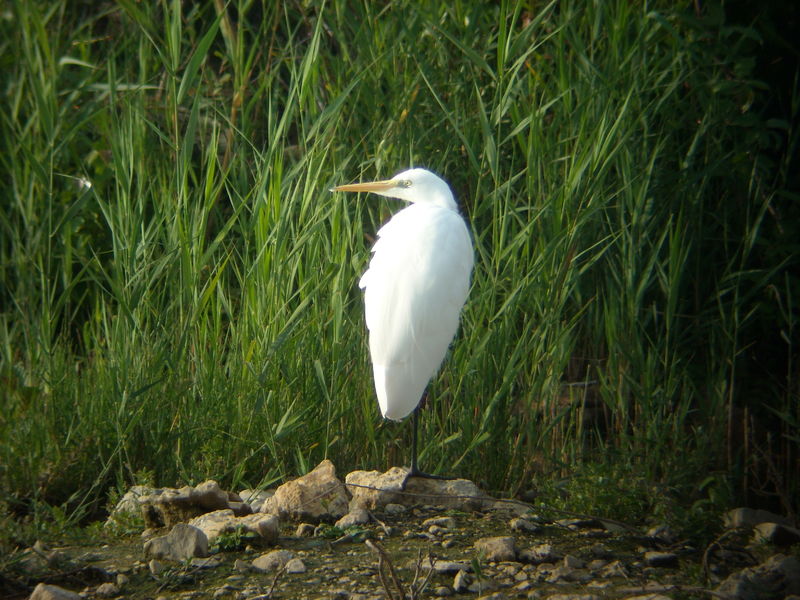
column 233, row 539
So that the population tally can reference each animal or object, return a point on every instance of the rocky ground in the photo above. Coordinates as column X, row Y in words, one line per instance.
column 380, row 536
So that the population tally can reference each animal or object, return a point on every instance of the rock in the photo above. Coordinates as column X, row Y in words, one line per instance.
column 573, row 597
column 256, row 498
column 445, row 522
column 443, row 566
column 304, row 530
column 155, row 567
column 662, row 533
column 130, row 505
column 44, row 591
column 272, row 561
column 394, row 509
column 295, row 565
column 750, row 517
column 182, row 542
column 373, row 490
column 661, row 559
column 241, row 566
column 775, row 533
column 497, row 549
column 543, row 553
column 106, row 590
column 215, row 523
column 523, row 525
column 573, row 562
column 356, row 516
column 614, row 569
column 777, row 577
column 164, row 507
column 461, row 582
column 316, row 496
column 649, row 597
column 209, row 562
column 442, row 591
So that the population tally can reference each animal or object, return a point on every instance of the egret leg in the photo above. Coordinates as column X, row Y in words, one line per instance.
column 414, row 470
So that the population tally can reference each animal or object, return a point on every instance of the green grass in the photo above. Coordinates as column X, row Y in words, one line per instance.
column 194, row 313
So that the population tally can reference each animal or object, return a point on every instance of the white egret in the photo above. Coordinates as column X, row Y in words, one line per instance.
column 414, row 289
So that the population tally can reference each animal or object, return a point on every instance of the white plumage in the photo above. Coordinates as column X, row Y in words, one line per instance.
column 415, row 286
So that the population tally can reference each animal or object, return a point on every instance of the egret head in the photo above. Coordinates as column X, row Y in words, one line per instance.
column 414, row 185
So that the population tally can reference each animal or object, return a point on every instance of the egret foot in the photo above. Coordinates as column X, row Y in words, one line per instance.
column 415, row 472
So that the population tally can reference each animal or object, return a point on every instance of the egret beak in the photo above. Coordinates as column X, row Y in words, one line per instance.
column 368, row 186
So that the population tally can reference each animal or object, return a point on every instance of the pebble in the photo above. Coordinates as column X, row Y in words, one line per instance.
column 661, row 559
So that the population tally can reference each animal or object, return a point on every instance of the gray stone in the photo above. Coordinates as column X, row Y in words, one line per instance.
column 543, row 553
column 295, row 565
column 209, row 562
column 316, row 496
column 106, row 590
column 776, row 577
column 44, row 591
column 272, row 561
column 155, row 567
column 523, row 525
column 497, row 549
column 775, row 533
column 443, row 566
column 356, row 516
column 461, row 582
column 182, row 542
column 241, row 566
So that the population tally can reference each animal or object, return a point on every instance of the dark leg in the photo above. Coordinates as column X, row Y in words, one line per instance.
column 414, row 470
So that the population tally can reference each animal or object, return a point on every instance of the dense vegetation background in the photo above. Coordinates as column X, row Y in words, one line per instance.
column 179, row 296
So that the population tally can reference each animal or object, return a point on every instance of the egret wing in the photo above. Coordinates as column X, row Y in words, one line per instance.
column 415, row 287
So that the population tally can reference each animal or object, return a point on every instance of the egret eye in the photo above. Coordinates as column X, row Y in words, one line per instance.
column 404, row 183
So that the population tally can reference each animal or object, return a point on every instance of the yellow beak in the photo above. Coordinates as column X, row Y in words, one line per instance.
column 369, row 186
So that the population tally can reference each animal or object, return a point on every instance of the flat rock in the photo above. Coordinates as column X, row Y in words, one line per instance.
column 497, row 549
column 44, row 591
column 213, row 524
column 443, row 566
column 182, row 542
column 272, row 561
column 375, row 490
column 316, row 496
column 776, row 577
